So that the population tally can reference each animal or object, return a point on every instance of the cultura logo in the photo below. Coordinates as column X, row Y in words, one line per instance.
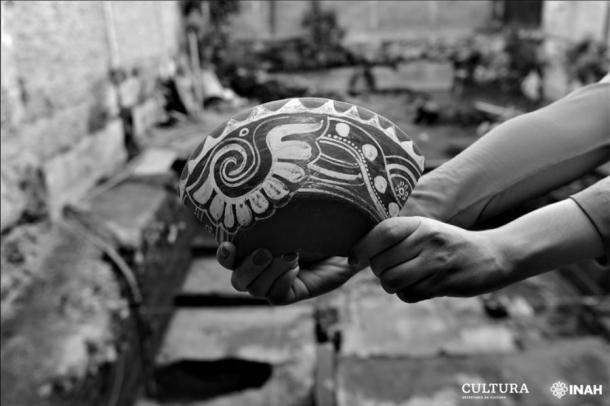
column 559, row 389
column 480, row 390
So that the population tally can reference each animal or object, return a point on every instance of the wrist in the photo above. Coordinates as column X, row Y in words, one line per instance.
column 509, row 254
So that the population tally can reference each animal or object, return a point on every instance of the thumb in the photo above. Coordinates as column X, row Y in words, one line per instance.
column 225, row 254
column 383, row 236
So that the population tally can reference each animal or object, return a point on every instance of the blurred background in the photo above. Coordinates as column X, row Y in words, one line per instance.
column 110, row 291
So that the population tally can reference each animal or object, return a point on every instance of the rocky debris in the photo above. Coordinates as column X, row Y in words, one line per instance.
column 416, row 354
column 62, row 288
column 23, row 251
column 370, row 348
column 22, row 192
column 57, row 347
column 242, row 345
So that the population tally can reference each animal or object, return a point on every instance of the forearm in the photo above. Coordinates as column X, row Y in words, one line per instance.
column 546, row 238
column 520, row 159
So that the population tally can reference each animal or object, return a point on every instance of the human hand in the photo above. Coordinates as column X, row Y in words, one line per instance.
column 281, row 280
column 419, row 258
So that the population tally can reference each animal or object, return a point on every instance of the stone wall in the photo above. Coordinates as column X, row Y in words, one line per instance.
column 60, row 110
column 366, row 20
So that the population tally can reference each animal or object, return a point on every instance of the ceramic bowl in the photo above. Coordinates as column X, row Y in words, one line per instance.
column 309, row 175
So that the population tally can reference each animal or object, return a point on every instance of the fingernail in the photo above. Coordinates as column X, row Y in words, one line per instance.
column 261, row 257
column 289, row 257
column 224, row 252
column 352, row 259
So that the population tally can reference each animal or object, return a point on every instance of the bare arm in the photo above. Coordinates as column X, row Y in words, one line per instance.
column 520, row 159
column 419, row 258
column 546, row 238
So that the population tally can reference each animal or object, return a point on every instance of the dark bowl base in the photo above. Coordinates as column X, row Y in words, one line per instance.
column 314, row 227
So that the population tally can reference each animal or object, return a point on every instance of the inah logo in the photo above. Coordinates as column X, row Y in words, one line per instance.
column 559, row 389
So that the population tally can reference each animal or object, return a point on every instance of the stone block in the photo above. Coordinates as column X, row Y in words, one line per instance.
column 109, row 146
column 154, row 161
column 442, row 325
column 184, row 138
column 280, row 338
column 398, row 381
column 130, row 211
column 57, row 131
column 70, row 175
column 149, row 226
column 206, row 277
column 266, row 334
column 58, row 93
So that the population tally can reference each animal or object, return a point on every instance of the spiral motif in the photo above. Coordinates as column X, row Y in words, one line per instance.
column 246, row 177
column 261, row 158
column 235, row 164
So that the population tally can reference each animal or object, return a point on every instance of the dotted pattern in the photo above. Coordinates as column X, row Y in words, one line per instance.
column 366, row 168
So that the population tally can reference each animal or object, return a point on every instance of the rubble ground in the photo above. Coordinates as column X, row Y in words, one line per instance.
column 358, row 345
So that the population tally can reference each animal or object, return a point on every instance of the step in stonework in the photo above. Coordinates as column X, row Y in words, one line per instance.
column 276, row 342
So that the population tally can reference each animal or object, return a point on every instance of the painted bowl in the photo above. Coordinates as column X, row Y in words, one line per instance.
column 308, row 175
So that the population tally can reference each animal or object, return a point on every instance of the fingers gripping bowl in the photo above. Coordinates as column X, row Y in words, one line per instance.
column 309, row 175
